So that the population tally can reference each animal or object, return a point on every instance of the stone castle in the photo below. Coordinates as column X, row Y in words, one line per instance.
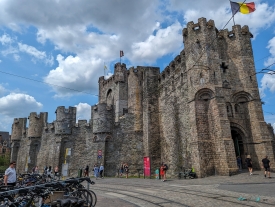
column 201, row 111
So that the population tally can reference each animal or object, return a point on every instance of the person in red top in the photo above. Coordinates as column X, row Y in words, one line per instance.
column 163, row 172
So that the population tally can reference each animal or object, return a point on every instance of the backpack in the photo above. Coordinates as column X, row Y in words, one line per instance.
column 166, row 166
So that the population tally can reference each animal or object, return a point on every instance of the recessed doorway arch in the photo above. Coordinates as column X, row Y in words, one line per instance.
column 239, row 140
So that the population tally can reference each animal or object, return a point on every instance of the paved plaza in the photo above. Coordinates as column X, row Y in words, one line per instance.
column 237, row 190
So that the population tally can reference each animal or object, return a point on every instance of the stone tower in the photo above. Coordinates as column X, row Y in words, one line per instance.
column 18, row 132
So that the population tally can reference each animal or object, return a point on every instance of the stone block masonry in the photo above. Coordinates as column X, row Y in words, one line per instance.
column 202, row 111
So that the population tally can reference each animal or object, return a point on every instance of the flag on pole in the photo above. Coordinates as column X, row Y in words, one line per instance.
column 244, row 8
column 121, row 53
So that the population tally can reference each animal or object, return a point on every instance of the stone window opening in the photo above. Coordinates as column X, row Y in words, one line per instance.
column 224, row 67
column 196, row 27
column 237, row 108
column 108, row 139
column 109, row 98
column 229, row 110
column 202, row 81
column 125, row 111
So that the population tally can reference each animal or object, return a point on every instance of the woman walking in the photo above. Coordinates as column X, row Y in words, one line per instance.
column 126, row 169
column 96, row 169
column 121, row 170
column 101, row 168
column 249, row 164
column 162, row 172
column 86, row 171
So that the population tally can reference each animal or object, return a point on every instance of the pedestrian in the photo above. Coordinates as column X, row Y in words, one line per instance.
column 239, row 163
column 56, row 174
column 101, row 168
column 45, row 170
column 249, row 164
column 49, row 172
column 163, row 172
column 86, row 171
column 266, row 166
column 10, row 174
column 126, row 169
column 96, row 169
column 36, row 171
column 121, row 170
column 55, row 170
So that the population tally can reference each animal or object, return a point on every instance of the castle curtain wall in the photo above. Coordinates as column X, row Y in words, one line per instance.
column 192, row 114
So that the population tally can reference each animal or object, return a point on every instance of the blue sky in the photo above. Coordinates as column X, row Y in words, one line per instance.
column 66, row 43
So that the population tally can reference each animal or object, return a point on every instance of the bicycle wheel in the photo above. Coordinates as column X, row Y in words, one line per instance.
column 94, row 197
column 85, row 195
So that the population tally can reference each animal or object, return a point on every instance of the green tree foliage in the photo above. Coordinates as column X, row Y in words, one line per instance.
column 4, row 162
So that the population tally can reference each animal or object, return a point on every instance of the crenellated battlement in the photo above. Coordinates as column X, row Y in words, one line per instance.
column 37, row 122
column 62, row 112
column 82, row 123
column 173, row 65
column 49, row 127
column 120, row 75
column 237, row 30
column 65, row 120
column 120, row 72
column 201, row 27
column 102, row 118
column 19, row 129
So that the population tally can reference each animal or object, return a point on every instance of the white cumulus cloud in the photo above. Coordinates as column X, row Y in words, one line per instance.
column 164, row 42
column 5, row 39
column 78, row 73
column 18, row 105
column 83, row 111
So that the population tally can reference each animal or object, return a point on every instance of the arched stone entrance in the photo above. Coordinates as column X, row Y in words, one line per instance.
column 239, row 140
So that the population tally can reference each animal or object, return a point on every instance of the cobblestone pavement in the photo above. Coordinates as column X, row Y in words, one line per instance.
column 237, row 190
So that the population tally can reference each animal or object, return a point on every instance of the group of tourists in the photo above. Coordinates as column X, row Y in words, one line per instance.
column 265, row 165
column 124, row 168
column 98, row 171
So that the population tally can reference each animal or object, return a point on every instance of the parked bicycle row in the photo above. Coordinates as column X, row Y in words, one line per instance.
column 68, row 193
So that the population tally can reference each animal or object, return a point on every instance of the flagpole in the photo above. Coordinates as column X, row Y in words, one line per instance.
column 233, row 14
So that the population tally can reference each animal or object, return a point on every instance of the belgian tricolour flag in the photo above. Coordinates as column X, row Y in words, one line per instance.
column 244, row 8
